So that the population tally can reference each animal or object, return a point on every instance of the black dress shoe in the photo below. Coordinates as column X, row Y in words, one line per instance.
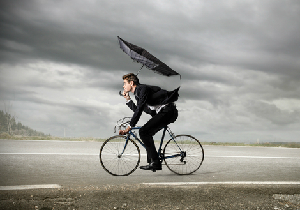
column 152, row 166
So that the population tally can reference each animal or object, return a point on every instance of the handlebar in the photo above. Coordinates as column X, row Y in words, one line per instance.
column 122, row 123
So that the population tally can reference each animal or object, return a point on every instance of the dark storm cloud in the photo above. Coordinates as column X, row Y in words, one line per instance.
column 28, row 33
column 228, row 53
column 271, row 113
column 10, row 93
column 261, row 36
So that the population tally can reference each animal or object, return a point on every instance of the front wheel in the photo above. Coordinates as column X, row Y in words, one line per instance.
column 119, row 156
column 183, row 155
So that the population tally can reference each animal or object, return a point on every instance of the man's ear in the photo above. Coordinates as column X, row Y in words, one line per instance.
column 131, row 83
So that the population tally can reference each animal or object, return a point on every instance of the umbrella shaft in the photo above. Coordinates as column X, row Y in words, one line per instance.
column 140, row 69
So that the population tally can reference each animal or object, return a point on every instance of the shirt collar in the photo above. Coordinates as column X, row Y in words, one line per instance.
column 135, row 91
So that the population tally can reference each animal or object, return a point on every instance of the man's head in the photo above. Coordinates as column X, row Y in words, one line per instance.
column 130, row 82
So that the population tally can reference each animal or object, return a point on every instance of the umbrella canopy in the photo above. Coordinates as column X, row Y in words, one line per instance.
column 140, row 55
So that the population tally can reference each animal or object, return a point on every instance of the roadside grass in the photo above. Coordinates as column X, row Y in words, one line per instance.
column 288, row 145
column 267, row 144
column 16, row 137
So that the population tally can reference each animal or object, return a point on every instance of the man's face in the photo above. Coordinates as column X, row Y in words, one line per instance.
column 127, row 86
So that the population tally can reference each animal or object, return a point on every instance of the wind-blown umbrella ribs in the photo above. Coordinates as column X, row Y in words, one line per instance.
column 142, row 56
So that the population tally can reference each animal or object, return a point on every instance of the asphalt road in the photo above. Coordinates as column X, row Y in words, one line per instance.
column 76, row 164
column 230, row 178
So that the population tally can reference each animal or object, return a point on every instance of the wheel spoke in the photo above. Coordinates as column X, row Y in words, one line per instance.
column 190, row 148
column 118, row 160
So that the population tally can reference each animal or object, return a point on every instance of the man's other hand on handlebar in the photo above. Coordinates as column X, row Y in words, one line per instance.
column 123, row 132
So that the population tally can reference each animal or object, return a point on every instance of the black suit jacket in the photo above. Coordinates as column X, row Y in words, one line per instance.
column 150, row 95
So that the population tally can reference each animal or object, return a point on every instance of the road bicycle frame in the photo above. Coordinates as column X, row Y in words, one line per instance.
column 131, row 133
column 120, row 154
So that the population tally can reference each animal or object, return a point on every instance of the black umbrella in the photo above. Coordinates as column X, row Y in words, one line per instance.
column 140, row 55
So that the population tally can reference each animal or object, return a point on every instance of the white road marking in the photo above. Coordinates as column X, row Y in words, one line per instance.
column 226, row 183
column 68, row 141
column 142, row 154
column 77, row 154
column 27, row 187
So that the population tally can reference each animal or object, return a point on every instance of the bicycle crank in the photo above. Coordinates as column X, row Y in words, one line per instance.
column 182, row 155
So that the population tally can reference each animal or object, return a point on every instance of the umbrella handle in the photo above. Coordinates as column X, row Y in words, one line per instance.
column 120, row 93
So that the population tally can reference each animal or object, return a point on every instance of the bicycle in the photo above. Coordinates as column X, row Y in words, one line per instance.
column 120, row 155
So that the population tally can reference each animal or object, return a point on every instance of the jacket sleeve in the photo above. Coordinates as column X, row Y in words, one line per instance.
column 141, row 104
column 133, row 107
column 149, row 111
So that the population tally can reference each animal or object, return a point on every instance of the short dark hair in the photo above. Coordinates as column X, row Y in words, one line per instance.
column 131, row 77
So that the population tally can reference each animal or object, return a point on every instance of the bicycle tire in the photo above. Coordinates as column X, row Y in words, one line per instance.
column 185, row 156
column 116, row 160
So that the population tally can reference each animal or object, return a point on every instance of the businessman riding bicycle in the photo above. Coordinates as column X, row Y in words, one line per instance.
column 157, row 102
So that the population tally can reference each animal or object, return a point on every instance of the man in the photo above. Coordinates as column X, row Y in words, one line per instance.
column 154, row 101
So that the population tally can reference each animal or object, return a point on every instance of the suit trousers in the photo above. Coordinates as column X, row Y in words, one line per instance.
column 164, row 117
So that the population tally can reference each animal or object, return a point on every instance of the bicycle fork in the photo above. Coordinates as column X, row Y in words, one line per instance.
column 125, row 145
column 126, row 142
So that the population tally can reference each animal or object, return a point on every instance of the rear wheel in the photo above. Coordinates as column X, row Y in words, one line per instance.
column 119, row 156
column 183, row 155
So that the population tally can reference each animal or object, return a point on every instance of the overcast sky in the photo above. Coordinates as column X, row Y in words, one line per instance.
column 61, row 66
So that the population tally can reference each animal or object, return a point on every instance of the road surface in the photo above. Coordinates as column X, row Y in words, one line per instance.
column 76, row 163
column 230, row 178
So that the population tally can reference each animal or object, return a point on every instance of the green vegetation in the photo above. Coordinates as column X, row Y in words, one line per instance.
column 268, row 144
column 10, row 128
column 274, row 144
column 5, row 135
